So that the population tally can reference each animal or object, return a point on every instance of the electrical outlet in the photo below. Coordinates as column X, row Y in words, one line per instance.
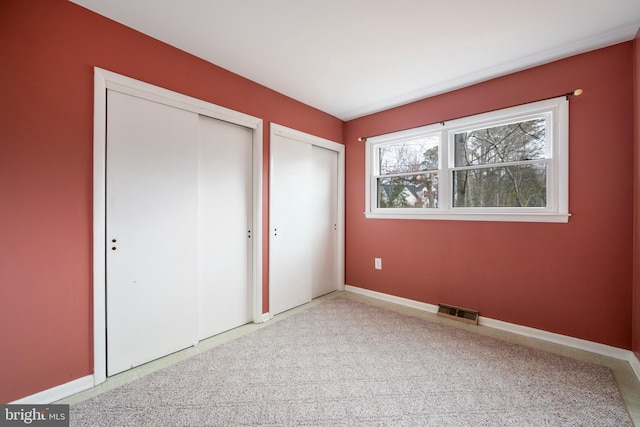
column 378, row 263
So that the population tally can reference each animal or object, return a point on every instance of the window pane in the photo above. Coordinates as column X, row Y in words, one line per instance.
column 500, row 144
column 413, row 156
column 511, row 186
column 415, row 191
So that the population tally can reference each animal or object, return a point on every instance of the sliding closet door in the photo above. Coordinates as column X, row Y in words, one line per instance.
column 304, row 217
column 152, row 208
column 324, row 212
column 290, row 223
column 224, row 226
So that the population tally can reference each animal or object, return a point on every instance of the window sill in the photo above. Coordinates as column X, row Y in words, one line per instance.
column 489, row 216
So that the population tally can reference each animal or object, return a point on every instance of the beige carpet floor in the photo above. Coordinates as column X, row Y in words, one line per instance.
column 343, row 362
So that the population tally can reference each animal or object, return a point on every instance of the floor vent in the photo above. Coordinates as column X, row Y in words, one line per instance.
column 457, row 313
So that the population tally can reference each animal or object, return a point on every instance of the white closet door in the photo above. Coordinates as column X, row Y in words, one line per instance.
column 324, row 212
column 224, row 226
column 151, row 230
column 290, row 223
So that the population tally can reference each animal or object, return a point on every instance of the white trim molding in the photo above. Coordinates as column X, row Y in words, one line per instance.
column 577, row 343
column 104, row 80
column 57, row 393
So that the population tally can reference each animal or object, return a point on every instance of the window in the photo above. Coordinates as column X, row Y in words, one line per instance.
column 506, row 165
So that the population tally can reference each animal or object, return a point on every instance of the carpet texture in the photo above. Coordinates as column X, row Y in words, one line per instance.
column 347, row 363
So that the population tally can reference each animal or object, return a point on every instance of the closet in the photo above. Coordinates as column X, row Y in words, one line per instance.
column 305, row 245
column 178, row 228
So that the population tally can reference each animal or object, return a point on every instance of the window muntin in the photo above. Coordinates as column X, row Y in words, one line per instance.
column 507, row 165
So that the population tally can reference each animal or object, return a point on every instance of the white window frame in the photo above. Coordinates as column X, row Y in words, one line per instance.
column 555, row 110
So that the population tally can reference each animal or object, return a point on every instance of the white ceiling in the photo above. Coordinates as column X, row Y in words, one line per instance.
column 350, row 58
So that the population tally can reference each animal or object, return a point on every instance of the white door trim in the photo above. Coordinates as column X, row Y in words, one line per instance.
column 276, row 129
column 104, row 80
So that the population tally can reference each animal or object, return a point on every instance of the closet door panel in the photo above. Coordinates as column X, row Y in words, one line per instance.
column 151, row 231
column 290, row 224
column 224, row 226
column 323, row 209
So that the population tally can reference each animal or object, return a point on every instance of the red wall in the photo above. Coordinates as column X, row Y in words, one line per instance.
column 636, row 251
column 48, row 50
column 570, row 278
column 573, row 279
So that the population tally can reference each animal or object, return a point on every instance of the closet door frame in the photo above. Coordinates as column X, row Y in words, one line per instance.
column 305, row 138
column 104, row 80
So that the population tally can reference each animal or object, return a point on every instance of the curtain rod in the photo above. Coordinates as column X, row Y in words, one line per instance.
column 576, row 92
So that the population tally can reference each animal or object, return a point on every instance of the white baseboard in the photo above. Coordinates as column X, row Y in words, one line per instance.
column 635, row 365
column 265, row 317
column 58, row 392
column 394, row 299
column 593, row 347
